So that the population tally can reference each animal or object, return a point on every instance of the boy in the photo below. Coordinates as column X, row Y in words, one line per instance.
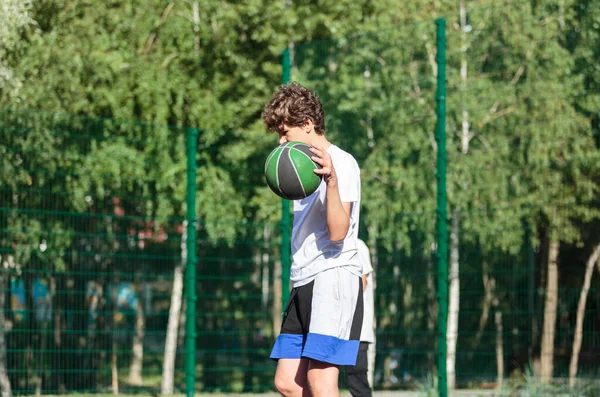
column 322, row 321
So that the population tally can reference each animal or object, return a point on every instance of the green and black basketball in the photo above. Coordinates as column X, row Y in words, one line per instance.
column 289, row 170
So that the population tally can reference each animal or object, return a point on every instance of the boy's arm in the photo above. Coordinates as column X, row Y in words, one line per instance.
column 338, row 213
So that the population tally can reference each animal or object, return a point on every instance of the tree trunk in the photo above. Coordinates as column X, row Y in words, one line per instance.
column 387, row 372
column 589, row 270
column 29, row 363
column 4, row 380
column 408, row 309
column 182, row 314
column 114, row 357
column 43, row 313
column 538, row 314
column 246, row 347
column 454, row 300
column 454, row 280
column 40, row 364
column 531, row 292
column 172, row 331
column 499, row 350
column 135, row 370
column 58, row 364
column 196, row 18
column 550, row 306
column 168, row 374
column 431, row 303
column 465, row 136
column 92, row 360
column 30, row 325
column 114, row 369
column 489, row 285
column 453, row 305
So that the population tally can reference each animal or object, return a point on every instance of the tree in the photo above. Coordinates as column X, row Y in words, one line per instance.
column 5, row 388
column 15, row 18
column 168, row 373
column 589, row 270
column 521, row 120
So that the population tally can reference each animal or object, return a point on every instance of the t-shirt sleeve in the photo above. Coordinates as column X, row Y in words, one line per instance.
column 348, row 175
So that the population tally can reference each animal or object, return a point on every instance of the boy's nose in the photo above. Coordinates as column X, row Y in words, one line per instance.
column 282, row 140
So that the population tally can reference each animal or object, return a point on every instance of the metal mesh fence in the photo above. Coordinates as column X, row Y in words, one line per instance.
column 94, row 257
column 93, row 230
column 89, row 251
column 516, row 136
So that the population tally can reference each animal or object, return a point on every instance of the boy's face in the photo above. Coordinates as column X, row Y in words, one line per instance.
column 293, row 134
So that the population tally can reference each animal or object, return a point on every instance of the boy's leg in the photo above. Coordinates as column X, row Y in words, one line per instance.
column 290, row 377
column 358, row 383
column 334, row 332
column 323, row 379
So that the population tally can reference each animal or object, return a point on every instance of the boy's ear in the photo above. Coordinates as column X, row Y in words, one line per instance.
column 308, row 125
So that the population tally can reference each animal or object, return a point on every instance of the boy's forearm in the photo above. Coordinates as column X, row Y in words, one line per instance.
column 338, row 218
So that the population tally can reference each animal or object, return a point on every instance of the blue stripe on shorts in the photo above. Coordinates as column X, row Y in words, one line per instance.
column 330, row 349
column 288, row 346
column 323, row 320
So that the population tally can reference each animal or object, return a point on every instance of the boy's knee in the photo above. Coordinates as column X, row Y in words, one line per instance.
column 323, row 382
column 286, row 386
column 320, row 387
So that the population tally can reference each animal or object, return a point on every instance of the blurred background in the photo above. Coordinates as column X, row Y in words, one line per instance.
column 108, row 109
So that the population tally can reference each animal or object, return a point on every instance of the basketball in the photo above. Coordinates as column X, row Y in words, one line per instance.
column 289, row 171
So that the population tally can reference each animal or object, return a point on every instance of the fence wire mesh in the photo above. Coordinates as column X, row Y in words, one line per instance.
column 93, row 242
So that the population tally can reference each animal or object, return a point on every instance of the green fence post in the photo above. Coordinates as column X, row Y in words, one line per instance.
column 190, row 265
column 441, row 211
column 285, row 211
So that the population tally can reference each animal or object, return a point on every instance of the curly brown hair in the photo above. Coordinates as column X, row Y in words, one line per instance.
column 293, row 105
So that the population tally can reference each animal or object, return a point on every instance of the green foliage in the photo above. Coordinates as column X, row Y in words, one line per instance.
column 14, row 19
column 429, row 388
column 528, row 385
column 527, row 166
column 220, row 216
column 109, row 166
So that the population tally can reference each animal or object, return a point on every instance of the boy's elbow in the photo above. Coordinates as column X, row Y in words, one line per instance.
column 338, row 235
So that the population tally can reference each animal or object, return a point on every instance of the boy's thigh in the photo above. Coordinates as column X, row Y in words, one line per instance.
column 323, row 378
column 292, row 370
column 290, row 342
column 335, row 318
column 337, row 307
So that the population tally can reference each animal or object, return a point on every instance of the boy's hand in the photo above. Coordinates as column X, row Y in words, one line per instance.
column 324, row 160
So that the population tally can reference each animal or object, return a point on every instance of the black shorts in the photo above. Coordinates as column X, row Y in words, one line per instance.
column 323, row 319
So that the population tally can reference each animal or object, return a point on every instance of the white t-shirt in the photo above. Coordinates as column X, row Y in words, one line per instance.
column 367, row 333
column 312, row 250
